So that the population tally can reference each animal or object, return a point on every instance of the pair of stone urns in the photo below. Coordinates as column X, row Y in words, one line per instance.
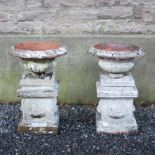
column 39, row 90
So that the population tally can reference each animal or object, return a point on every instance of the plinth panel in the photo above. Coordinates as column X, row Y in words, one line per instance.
column 39, row 115
column 116, row 116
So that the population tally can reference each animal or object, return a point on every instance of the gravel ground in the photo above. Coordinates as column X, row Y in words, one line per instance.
column 77, row 134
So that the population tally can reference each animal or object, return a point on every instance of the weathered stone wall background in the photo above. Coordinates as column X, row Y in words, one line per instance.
column 77, row 17
column 78, row 71
column 78, row 24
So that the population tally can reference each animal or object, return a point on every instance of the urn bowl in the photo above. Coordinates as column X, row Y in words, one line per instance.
column 38, row 56
column 116, row 58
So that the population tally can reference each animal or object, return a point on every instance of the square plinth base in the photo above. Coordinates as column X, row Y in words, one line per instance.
column 22, row 127
column 116, row 132
column 116, row 116
column 115, row 126
column 39, row 115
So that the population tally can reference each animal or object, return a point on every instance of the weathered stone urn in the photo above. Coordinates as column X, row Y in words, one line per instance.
column 116, row 88
column 38, row 87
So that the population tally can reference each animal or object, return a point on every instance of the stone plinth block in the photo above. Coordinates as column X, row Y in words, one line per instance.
column 115, row 108
column 39, row 105
column 39, row 115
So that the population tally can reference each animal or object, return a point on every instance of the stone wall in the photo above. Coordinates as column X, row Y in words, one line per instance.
column 78, row 71
column 77, row 17
column 78, row 24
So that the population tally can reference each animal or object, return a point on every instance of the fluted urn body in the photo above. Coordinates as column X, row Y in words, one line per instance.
column 38, row 87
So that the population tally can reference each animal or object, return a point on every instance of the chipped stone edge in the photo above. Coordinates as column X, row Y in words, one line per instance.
column 116, row 54
column 46, row 54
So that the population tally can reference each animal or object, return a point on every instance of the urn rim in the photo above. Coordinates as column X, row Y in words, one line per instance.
column 116, row 50
column 38, row 50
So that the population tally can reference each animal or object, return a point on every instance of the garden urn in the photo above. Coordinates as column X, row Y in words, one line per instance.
column 38, row 87
column 116, row 88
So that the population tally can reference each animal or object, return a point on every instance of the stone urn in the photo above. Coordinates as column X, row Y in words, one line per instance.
column 116, row 59
column 116, row 88
column 38, row 87
column 38, row 57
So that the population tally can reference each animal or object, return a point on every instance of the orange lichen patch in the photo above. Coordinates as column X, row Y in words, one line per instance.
column 116, row 47
column 37, row 46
